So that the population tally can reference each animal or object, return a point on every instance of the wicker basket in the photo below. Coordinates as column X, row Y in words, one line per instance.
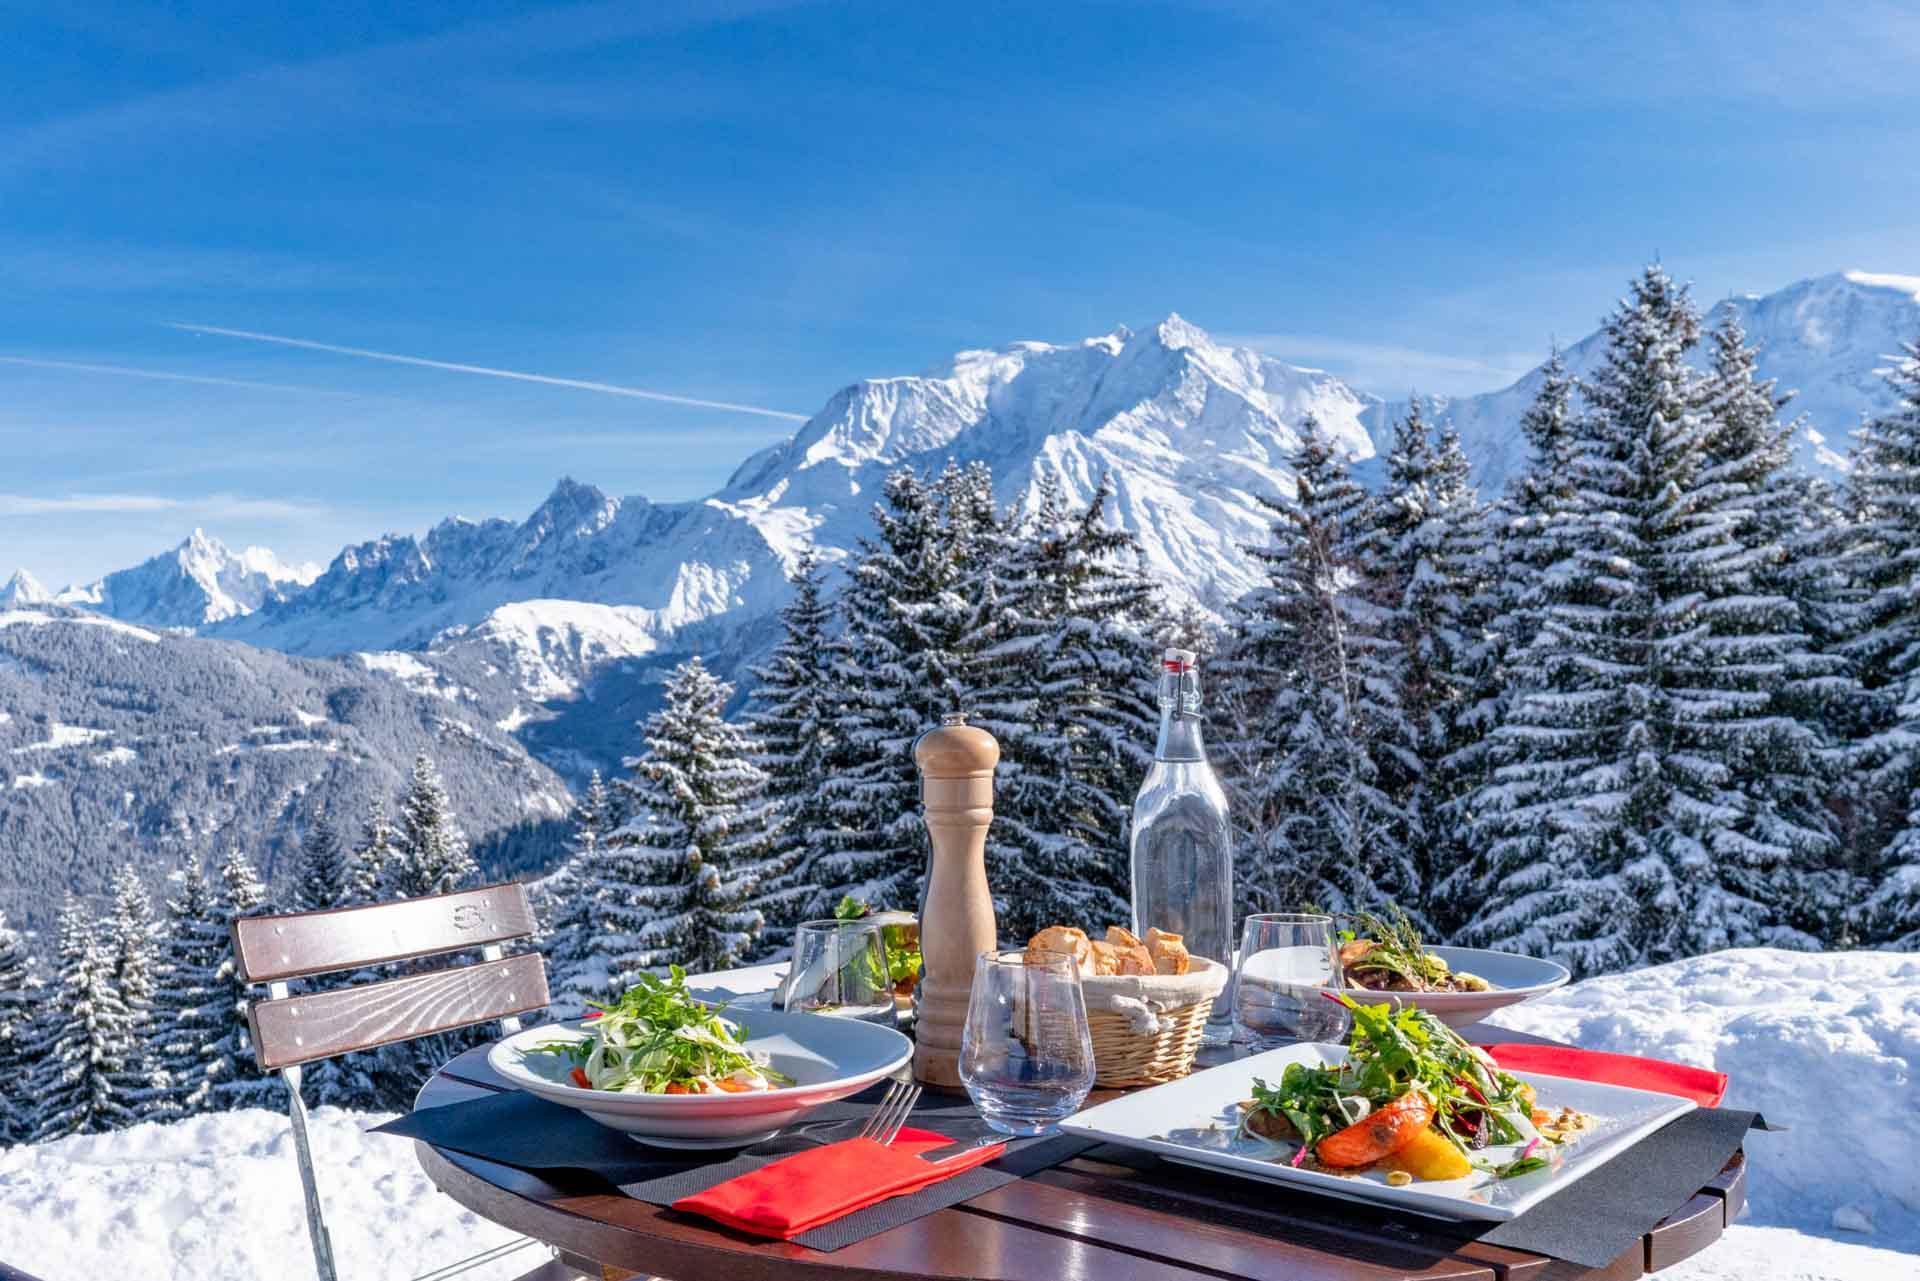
column 1129, row 1049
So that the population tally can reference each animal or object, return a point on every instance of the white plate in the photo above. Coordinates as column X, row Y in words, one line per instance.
column 1514, row 977
column 1195, row 1121
column 828, row 1059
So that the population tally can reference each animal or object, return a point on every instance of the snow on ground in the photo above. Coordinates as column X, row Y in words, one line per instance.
column 35, row 618
column 63, row 736
column 35, row 779
column 217, row 1198
column 1825, row 1043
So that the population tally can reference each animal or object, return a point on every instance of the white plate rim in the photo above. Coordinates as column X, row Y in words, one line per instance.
column 505, row 1054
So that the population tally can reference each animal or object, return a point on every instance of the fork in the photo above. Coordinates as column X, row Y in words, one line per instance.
column 892, row 1113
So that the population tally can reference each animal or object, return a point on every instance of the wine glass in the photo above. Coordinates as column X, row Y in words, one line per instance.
column 839, row 967
column 1026, row 1055
column 1286, row 960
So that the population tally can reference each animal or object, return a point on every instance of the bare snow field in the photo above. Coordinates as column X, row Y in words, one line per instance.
column 1826, row 1044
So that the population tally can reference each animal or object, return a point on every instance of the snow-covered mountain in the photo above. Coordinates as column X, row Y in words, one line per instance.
column 23, row 589
column 1828, row 338
column 199, row 582
column 1190, row 431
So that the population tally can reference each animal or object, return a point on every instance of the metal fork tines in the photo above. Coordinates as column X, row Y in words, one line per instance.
column 892, row 1112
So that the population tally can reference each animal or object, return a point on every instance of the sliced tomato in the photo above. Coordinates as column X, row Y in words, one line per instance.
column 674, row 1087
column 579, row 1075
column 732, row 1086
column 1382, row 1133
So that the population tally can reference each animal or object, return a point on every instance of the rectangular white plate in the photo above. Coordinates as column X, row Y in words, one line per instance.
column 1195, row 1121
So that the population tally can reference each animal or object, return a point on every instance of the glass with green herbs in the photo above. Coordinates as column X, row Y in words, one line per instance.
column 840, row 967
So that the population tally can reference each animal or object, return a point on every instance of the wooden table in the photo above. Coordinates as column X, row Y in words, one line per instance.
column 1086, row 1219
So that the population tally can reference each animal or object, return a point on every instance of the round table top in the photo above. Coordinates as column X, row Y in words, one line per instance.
column 1083, row 1219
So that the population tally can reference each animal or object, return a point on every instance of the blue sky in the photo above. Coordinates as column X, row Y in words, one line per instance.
column 756, row 203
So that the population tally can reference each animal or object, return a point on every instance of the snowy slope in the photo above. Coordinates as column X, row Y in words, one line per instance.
column 1827, row 338
column 199, row 582
column 1827, row 1044
column 121, row 743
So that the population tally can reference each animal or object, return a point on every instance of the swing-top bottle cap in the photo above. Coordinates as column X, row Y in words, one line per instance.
column 1179, row 661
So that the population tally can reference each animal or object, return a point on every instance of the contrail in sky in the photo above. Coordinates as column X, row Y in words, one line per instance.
column 578, row 384
column 162, row 375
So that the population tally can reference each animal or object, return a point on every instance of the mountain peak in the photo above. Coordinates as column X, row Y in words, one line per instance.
column 23, row 589
column 1176, row 332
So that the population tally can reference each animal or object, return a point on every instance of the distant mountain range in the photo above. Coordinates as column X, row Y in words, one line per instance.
column 550, row 634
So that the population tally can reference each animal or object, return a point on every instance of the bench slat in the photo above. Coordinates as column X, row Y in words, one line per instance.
column 298, row 944
column 300, row 1029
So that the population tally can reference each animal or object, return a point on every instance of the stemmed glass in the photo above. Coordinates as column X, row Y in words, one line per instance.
column 839, row 967
column 1286, row 960
column 1026, row 1055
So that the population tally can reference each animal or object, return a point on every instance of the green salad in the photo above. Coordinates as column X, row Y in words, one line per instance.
column 658, row 1039
column 1411, row 1088
column 903, row 948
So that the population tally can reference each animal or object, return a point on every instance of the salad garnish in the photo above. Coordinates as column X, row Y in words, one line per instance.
column 902, row 945
column 658, row 1039
column 1412, row 1095
column 1386, row 954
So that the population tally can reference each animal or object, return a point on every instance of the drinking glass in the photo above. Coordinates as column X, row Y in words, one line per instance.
column 1026, row 1056
column 1286, row 958
column 839, row 967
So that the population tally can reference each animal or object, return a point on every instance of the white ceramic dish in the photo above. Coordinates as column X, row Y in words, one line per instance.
column 1195, row 1121
column 828, row 1059
column 1514, row 977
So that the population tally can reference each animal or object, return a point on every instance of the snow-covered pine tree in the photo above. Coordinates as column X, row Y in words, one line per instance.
column 560, row 898
column 377, row 851
column 82, row 1038
column 320, row 882
column 17, row 1004
column 1885, row 480
column 1420, row 550
column 909, row 642
column 433, row 856
column 1308, row 693
column 1635, row 709
column 1526, row 562
column 187, row 1009
column 132, row 948
column 1066, row 689
column 1784, row 852
column 233, row 1076
column 792, row 715
column 677, row 883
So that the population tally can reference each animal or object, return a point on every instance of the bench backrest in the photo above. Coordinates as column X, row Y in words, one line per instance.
column 290, row 1029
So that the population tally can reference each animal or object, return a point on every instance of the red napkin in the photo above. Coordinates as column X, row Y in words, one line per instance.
column 1704, row 1087
column 800, row 1192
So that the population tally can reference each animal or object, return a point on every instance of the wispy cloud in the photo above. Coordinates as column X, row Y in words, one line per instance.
column 578, row 384
column 1389, row 369
column 212, row 506
column 162, row 375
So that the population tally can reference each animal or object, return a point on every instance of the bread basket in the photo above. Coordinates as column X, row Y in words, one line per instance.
column 1147, row 1027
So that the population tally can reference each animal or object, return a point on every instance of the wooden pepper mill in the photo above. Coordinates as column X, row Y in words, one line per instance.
column 956, row 917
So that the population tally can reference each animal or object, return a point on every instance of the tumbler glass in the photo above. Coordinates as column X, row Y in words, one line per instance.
column 1026, row 1056
column 839, row 967
column 1286, row 960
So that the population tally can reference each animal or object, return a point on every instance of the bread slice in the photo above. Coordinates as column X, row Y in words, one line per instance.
column 1063, row 938
column 1169, row 952
column 1135, row 960
column 1120, row 936
column 1106, row 959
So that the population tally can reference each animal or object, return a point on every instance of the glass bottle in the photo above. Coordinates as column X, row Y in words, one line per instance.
column 1182, row 853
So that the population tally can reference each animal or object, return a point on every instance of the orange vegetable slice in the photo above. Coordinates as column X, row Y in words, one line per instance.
column 1385, row 1131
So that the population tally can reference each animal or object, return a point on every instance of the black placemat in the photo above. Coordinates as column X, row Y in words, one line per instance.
column 532, row 1134
column 1593, row 1222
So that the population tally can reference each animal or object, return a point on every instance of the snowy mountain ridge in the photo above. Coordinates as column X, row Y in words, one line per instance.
column 23, row 589
column 199, row 582
column 1828, row 339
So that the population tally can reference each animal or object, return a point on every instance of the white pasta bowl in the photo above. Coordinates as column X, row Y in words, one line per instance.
column 828, row 1058
column 1512, row 978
